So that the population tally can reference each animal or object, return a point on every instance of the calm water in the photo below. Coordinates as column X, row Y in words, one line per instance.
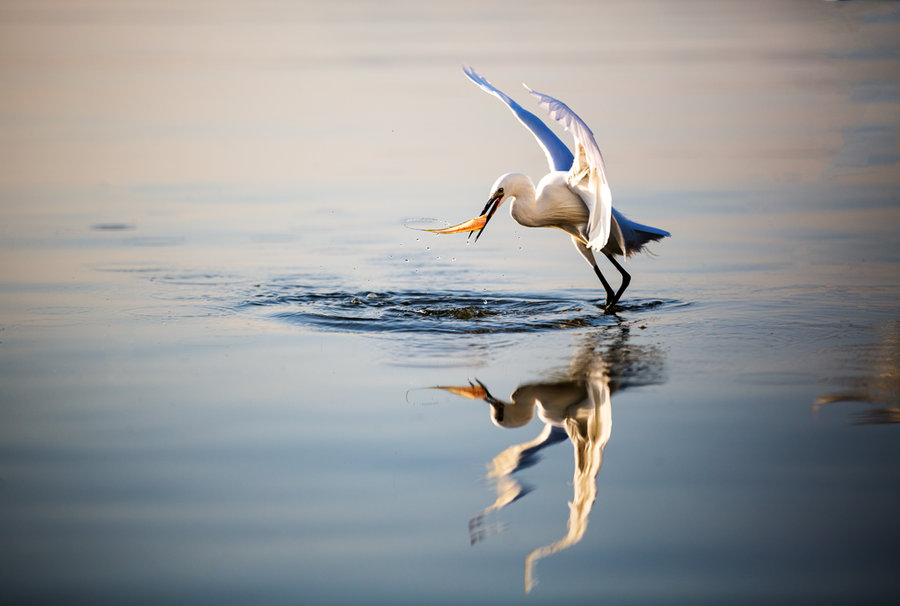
column 229, row 372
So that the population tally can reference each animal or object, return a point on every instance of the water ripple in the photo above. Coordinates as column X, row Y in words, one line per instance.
column 433, row 312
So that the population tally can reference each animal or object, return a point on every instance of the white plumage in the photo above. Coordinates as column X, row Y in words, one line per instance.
column 574, row 197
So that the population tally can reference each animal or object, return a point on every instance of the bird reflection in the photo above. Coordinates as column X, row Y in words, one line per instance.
column 575, row 406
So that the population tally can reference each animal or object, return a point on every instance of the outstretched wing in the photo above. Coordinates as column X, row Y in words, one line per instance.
column 588, row 174
column 558, row 155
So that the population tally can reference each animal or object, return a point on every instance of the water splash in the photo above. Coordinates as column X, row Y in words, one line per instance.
column 446, row 312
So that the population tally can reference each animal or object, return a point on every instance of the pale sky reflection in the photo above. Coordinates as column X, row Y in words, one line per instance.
column 140, row 93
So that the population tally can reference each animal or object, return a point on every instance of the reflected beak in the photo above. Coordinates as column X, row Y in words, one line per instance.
column 478, row 223
column 471, row 391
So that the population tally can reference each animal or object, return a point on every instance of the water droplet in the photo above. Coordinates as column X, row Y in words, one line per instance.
column 406, row 260
column 427, row 248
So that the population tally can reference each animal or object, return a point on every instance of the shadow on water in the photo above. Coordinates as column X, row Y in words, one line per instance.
column 872, row 379
column 575, row 405
column 446, row 312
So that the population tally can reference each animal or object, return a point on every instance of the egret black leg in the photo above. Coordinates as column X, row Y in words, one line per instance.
column 626, row 280
column 609, row 291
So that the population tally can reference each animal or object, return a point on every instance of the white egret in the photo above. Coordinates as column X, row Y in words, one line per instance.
column 574, row 197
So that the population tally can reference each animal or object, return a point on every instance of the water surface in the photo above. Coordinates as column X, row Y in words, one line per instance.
column 230, row 372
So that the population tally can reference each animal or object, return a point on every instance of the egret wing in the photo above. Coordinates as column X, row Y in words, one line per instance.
column 558, row 155
column 587, row 176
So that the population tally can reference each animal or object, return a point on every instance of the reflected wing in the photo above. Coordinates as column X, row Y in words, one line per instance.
column 558, row 155
column 587, row 176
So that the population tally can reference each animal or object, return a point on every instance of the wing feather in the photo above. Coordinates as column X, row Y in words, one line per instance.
column 587, row 177
column 558, row 155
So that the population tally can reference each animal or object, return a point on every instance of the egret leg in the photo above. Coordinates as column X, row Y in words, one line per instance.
column 626, row 280
column 610, row 294
column 589, row 257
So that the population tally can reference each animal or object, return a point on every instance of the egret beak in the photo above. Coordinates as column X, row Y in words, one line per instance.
column 476, row 224
column 489, row 209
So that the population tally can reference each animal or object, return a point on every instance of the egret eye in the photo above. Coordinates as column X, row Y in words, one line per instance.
column 500, row 191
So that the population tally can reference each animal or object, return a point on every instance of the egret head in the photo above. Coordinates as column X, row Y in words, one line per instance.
column 507, row 414
column 504, row 188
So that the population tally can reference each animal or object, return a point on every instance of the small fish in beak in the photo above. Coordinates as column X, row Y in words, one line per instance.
column 478, row 223
column 466, row 226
